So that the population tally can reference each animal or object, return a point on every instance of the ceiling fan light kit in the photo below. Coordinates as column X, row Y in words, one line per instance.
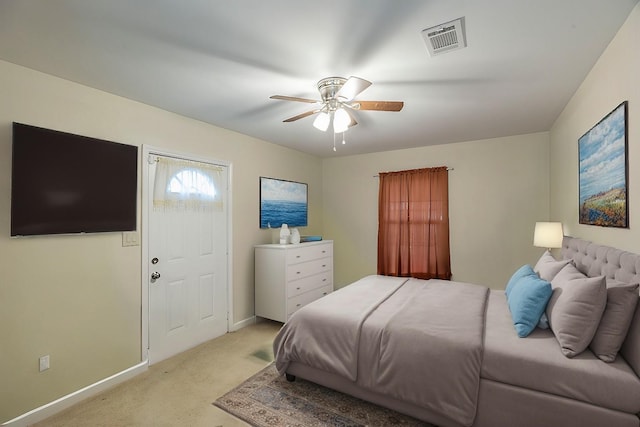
column 322, row 121
column 337, row 98
column 341, row 120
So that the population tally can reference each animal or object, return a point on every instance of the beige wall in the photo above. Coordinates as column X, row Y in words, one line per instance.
column 78, row 298
column 497, row 191
column 615, row 78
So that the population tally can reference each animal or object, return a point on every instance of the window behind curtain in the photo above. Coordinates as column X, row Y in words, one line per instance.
column 413, row 224
column 186, row 185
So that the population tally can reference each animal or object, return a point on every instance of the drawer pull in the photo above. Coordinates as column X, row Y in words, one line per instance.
column 324, row 280
column 298, row 305
column 324, row 265
column 298, row 288
column 297, row 272
column 324, row 293
column 297, row 256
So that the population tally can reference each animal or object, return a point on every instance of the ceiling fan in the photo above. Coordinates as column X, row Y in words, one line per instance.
column 337, row 99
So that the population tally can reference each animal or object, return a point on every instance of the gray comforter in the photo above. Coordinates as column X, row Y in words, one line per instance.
column 419, row 341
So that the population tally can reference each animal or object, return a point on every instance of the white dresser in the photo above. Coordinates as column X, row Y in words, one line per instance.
column 291, row 276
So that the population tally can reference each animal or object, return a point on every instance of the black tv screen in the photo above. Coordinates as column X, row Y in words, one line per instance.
column 63, row 183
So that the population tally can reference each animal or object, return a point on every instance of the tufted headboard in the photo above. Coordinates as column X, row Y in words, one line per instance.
column 615, row 264
column 598, row 260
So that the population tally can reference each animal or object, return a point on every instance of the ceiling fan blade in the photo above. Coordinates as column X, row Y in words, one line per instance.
column 378, row 105
column 352, row 87
column 301, row 116
column 353, row 121
column 294, row 98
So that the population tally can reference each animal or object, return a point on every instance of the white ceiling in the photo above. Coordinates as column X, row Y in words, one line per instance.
column 219, row 61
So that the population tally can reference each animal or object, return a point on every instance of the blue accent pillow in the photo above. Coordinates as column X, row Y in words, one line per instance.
column 527, row 300
column 525, row 270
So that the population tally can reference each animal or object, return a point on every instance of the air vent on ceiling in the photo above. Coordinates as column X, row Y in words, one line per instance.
column 445, row 37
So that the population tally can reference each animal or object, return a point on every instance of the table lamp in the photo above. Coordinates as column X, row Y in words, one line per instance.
column 548, row 235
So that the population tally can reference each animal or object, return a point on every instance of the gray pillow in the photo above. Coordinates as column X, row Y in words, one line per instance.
column 547, row 266
column 621, row 305
column 575, row 308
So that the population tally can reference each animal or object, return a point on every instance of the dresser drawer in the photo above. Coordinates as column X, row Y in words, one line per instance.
column 288, row 277
column 297, row 287
column 309, row 253
column 304, row 269
column 299, row 301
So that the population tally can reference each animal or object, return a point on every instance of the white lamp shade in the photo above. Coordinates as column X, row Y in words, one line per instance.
column 322, row 121
column 548, row 235
column 341, row 120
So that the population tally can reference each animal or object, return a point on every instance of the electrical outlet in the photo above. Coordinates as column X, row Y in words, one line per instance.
column 44, row 363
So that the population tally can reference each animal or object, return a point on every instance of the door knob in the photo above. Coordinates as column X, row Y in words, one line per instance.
column 155, row 275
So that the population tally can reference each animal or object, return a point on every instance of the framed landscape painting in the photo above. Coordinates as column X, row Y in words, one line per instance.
column 282, row 202
column 602, row 153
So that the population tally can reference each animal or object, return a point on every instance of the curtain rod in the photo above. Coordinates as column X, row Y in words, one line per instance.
column 378, row 176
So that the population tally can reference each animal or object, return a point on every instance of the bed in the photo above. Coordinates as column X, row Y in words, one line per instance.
column 450, row 353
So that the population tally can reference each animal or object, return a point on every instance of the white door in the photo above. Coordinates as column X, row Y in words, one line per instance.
column 187, row 257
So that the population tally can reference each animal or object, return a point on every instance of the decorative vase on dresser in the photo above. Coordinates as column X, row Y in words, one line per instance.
column 289, row 277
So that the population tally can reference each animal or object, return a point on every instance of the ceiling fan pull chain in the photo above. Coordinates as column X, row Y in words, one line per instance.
column 344, row 141
column 334, row 141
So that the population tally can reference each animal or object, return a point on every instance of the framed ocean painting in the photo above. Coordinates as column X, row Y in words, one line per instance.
column 283, row 202
column 603, row 171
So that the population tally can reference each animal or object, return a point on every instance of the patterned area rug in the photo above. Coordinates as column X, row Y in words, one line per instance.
column 268, row 399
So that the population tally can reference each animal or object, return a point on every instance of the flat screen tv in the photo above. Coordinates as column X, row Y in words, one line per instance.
column 282, row 202
column 63, row 183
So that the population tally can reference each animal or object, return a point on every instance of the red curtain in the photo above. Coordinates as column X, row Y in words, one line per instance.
column 413, row 224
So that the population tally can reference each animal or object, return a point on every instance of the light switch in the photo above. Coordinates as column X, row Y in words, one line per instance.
column 130, row 238
column 44, row 363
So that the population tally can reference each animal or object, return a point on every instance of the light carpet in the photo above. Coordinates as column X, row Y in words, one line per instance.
column 268, row 399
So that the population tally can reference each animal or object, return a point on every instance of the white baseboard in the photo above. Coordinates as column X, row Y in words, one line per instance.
column 52, row 408
column 243, row 323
